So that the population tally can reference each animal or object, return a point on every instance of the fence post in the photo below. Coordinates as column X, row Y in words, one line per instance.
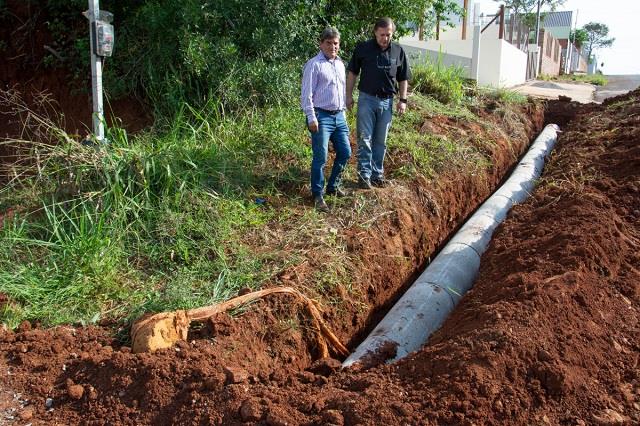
column 477, row 33
column 501, row 30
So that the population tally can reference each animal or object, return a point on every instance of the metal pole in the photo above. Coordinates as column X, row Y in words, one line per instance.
column 572, row 43
column 501, row 27
column 96, row 75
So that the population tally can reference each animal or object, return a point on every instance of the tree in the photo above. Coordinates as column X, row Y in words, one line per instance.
column 579, row 37
column 596, row 37
column 525, row 7
column 443, row 10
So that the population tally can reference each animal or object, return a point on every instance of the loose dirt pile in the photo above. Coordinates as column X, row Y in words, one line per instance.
column 550, row 333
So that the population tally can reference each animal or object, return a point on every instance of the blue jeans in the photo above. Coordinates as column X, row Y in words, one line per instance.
column 331, row 127
column 373, row 123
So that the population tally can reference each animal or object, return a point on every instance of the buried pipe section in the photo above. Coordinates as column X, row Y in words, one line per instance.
column 427, row 303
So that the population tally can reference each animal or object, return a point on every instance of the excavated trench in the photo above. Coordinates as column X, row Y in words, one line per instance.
column 548, row 335
column 265, row 345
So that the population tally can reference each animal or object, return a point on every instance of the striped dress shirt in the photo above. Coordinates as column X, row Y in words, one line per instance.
column 323, row 85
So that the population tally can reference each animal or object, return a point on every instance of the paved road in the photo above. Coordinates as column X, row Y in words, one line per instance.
column 579, row 92
column 617, row 85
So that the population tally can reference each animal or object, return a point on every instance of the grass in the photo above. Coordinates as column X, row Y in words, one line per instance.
column 441, row 82
column 595, row 79
column 168, row 219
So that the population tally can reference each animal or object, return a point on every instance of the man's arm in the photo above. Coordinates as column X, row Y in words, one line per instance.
column 306, row 97
column 402, row 93
column 351, row 83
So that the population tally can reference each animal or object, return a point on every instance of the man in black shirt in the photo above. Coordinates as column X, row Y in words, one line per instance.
column 384, row 72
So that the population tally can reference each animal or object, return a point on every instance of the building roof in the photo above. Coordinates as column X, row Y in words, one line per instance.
column 557, row 19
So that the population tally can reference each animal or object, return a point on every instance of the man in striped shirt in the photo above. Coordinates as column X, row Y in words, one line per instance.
column 323, row 102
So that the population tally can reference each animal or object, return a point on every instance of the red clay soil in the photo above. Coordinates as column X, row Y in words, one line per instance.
column 550, row 333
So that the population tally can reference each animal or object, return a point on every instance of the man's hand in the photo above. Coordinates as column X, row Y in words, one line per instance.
column 402, row 107
column 313, row 126
column 349, row 103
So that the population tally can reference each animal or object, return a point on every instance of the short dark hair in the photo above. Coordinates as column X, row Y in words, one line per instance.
column 384, row 23
column 329, row 33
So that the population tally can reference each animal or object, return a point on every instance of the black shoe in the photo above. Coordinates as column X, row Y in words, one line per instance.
column 379, row 183
column 364, row 184
column 338, row 192
column 321, row 206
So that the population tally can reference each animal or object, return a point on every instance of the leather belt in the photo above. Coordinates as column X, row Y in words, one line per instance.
column 328, row 111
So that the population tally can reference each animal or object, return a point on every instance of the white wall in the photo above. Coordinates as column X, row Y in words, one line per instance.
column 501, row 64
column 513, row 69
column 453, row 47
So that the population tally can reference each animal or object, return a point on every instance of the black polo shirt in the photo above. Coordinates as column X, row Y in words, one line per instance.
column 381, row 69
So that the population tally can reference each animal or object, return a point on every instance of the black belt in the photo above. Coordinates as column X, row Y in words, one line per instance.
column 328, row 111
column 381, row 95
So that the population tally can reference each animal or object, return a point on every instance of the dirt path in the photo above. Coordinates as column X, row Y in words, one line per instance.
column 550, row 334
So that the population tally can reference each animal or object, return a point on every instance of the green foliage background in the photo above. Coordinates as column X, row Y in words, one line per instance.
column 239, row 52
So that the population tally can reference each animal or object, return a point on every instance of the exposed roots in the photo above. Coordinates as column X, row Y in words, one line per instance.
column 163, row 330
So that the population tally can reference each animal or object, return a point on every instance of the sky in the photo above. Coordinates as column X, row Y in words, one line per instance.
column 623, row 19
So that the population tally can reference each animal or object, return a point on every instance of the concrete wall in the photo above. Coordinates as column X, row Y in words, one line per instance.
column 501, row 64
column 417, row 54
column 513, row 69
column 453, row 47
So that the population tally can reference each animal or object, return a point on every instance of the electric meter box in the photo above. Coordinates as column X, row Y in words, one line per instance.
column 104, row 38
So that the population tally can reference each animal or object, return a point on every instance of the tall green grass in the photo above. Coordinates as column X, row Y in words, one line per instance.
column 433, row 78
column 158, row 222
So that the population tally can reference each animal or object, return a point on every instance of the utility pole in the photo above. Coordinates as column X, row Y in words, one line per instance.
column 101, row 38
column 572, row 44
column 96, row 75
column 539, row 53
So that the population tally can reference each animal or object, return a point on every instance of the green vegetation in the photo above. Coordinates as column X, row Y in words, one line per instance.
column 160, row 221
column 597, row 37
column 173, row 219
column 211, row 199
column 435, row 79
column 240, row 52
column 596, row 79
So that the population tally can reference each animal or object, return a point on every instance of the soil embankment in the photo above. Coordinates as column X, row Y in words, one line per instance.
column 549, row 335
